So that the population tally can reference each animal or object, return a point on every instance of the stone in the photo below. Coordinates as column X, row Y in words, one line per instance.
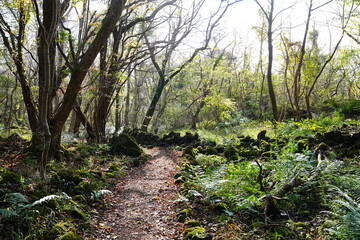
column 219, row 207
column 182, row 215
column 58, row 229
column 124, row 144
column 7, row 176
column 70, row 236
column 77, row 213
column 197, row 233
column 192, row 223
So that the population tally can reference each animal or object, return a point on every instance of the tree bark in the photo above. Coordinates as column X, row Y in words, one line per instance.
column 46, row 50
column 270, row 63
column 150, row 112
column 297, row 78
column 80, row 69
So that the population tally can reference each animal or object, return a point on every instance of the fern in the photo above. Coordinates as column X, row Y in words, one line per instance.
column 15, row 198
column 44, row 199
column 6, row 213
column 21, row 205
column 347, row 214
column 99, row 194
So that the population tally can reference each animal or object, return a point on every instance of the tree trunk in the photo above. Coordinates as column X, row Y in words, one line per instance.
column 299, row 67
column 270, row 63
column 150, row 112
column 46, row 50
column 80, row 69
column 127, row 104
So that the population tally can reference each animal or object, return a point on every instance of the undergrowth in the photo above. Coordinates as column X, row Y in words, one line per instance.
column 303, row 190
column 63, row 204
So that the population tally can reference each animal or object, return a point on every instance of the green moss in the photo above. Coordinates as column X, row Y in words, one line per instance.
column 231, row 153
column 65, row 180
column 53, row 204
column 79, row 198
column 60, row 228
column 197, row 233
column 124, row 144
column 192, row 223
column 70, row 236
column 225, row 219
column 191, row 185
column 7, row 176
column 85, row 187
column 189, row 153
column 180, row 180
column 181, row 216
column 210, row 150
column 220, row 207
column 77, row 213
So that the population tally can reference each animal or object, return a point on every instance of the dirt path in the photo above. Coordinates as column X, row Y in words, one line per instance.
column 142, row 206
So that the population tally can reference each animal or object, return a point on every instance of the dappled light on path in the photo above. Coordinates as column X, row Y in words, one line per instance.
column 142, row 206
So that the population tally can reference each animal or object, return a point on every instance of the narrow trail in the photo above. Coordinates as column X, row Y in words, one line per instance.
column 142, row 206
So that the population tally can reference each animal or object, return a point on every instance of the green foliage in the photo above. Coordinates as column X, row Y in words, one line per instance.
column 195, row 233
column 218, row 109
column 223, row 181
column 346, row 217
column 100, row 194
column 308, row 128
column 301, row 176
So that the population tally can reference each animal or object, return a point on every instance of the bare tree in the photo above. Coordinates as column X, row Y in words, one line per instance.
column 180, row 26
column 271, row 16
column 47, row 123
column 121, row 61
column 345, row 19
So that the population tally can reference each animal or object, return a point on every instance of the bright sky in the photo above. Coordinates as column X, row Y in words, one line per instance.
column 243, row 16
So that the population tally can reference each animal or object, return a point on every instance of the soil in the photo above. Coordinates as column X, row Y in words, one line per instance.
column 143, row 205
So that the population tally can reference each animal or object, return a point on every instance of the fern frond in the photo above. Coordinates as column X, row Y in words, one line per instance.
column 15, row 198
column 44, row 199
column 6, row 213
column 100, row 193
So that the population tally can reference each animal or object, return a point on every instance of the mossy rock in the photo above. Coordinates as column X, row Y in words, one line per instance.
column 65, row 180
column 189, row 137
column 77, row 213
column 85, row 187
column 181, row 216
column 180, row 180
column 70, row 236
column 59, row 228
column 7, row 176
column 191, row 185
column 124, row 144
column 135, row 162
column 192, row 223
column 189, row 150
column 189, row 157
column 197, row 233
column 269, row 155
column 219, row 207
column 220, row 148
column 79, row 198
column 177, row 175
column 248, row 153
column 231, row 153
column 14, row 138
column 98, row 175
column 53, row 204
column 113, row 168
column 210, row 150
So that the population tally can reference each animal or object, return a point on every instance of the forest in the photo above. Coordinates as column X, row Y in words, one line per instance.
column 179, row 119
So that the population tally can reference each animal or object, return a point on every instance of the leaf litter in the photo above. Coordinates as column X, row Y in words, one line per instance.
column 143, row 206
